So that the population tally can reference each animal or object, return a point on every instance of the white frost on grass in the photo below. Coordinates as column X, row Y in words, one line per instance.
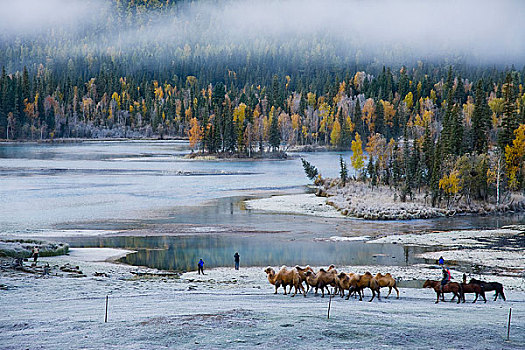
column 300, row 204
column 448, row 238
column 507, row 259
column 237, row 309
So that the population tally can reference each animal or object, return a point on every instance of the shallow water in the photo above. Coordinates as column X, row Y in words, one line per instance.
column 182, row 253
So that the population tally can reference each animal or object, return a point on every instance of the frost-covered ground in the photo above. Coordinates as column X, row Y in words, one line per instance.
column 302, row 204
column 462, row 238
column 359, row 201
column 478, row 247
column 236, row 309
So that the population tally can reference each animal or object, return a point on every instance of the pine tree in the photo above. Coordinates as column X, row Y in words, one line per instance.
column 358, row 121
column 449, row 85
column 310, row 170
column 403, row 82
column 275, row 135
column 510, row 121
column 436, row 174
column 457, row 132
column 3, row 103
column 428, row 154
column 449, row 122
column 380, row 118
column 343, row 172
column 480, row 120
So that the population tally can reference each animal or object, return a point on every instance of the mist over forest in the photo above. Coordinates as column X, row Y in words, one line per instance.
column 150, row 34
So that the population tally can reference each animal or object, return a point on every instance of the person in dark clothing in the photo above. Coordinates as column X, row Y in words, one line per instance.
column 201, row 266
column 237, row 259
column 34, row 254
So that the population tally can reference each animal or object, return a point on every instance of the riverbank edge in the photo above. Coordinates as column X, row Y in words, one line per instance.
column 103, row 139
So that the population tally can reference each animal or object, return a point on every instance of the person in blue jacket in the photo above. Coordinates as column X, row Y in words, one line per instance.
column 201, row 266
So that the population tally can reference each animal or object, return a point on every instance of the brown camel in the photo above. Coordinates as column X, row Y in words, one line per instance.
column 368, row 281
column 387, row 281
column 321, row 280
column 285, row 278
column 302, row 274
column 450, row 287
column 347, row 281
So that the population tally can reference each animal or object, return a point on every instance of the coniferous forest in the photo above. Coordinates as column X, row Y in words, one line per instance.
column 451, row 122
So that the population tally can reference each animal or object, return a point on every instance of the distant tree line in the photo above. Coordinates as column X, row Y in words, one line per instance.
column 456, row 130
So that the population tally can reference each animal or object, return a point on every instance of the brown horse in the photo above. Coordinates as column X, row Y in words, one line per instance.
column 473, row 288
column 489, row 286
column 450, row 287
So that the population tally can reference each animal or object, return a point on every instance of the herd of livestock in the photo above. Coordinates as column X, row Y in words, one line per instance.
column 355, row 284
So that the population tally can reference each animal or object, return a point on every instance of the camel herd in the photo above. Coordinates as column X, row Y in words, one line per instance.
column 324, row 279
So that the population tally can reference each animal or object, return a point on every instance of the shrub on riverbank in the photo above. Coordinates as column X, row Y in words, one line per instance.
column 22, row 248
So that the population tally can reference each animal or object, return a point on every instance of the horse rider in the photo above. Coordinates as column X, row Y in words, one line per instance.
column 446, row 277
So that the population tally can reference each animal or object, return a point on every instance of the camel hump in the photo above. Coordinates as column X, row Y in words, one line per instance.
column 368, row 274
column 322, row 270
column 388, row 274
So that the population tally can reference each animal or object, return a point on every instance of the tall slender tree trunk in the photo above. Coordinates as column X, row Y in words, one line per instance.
column 498, row 180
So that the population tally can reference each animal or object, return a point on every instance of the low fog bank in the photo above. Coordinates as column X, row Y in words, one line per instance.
column 384, row 30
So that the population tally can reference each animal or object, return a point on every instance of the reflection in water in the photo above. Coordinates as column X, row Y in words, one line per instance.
column 183, row 253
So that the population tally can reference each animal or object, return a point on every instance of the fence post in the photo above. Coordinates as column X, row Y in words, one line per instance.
column 106, row 318
column 330, row 302
column 508, row 325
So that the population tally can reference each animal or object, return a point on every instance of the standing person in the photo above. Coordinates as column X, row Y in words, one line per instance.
column 237, row 258
column 34, row 254
column 201, row 266
column 441, row 261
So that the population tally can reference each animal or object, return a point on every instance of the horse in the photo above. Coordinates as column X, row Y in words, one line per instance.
column 450, row 287
column 472, row 288
column 489, row 286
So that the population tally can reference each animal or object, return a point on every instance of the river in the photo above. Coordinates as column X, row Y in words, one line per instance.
column 146, row 196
